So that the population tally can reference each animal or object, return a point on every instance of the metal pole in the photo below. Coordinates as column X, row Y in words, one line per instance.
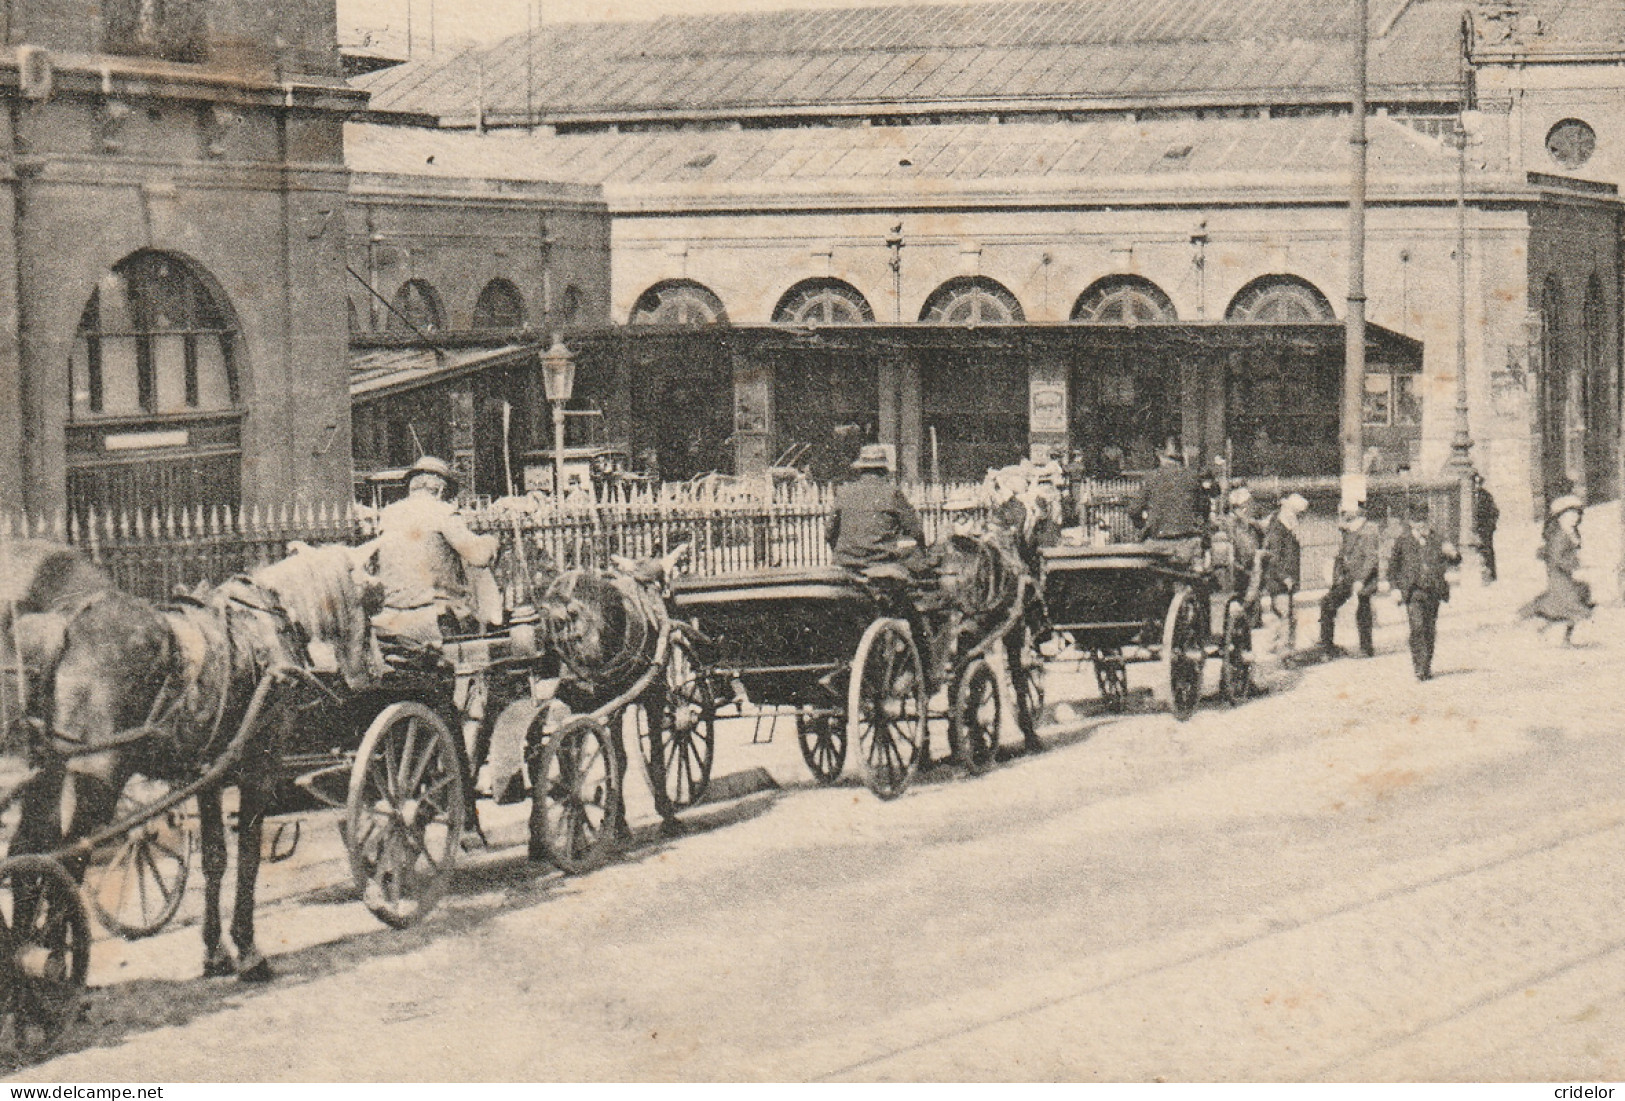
column 558, row 451
column 1461, row 444
column 1354, row 345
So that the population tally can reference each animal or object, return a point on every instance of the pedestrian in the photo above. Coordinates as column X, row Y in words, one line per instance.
column 1237, row 545
column 1353, row 574
column 1282, row 568
column 1416, row 572
column 1173, row 507
column 1567, row 599
column 1485, row 517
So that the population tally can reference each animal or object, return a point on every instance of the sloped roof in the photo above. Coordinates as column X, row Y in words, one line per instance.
column 864, row 165
column 1035, row 53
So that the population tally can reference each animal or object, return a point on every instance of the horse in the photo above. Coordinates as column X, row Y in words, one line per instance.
column 176, row 692
column 982, row 579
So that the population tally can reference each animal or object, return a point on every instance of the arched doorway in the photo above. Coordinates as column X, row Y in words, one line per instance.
column 1552, row 393
column 1124, row 402
column 973, row 401
column 155, row 404
column 1598, row 398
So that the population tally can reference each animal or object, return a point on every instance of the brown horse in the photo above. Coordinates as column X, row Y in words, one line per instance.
column 172, row 692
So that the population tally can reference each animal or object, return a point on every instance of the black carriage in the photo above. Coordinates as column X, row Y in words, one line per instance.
column 1128, row 603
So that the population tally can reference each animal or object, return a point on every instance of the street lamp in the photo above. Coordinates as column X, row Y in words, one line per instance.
column 558, row 380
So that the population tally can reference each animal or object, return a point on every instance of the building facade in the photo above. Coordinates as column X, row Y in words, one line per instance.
column 173, row 224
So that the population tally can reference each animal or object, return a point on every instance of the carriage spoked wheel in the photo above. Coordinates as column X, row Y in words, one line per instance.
column 1183, row 654
column 1111, row 676
column 575, row 795
column 135, row 885
column 1236, row 655
column 679, row 745
column 822, row 739
column 885, row 707
column 973, row 723
column 405, row 814
column 44, row 956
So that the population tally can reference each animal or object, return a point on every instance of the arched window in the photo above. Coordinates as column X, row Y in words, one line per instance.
column 1279, row 298
column 972, row 300
column 419, row 304
column 153, row 339
column 500, row 306
column 1123, row 300
column 678, row 302
column 823, row 302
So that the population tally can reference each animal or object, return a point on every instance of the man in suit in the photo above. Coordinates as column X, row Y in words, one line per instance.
column 1283, row 572
column 872, row 519
column 1173, row 507
column 1353, row 574
column 1416, row 572
column 1486, row 514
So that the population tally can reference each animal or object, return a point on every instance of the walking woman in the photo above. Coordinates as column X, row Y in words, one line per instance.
column 1567, row 599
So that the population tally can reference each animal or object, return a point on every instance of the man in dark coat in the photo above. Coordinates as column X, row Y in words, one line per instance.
column 1416, row 572
column 1173, row 507
column 872, row 516
column 1485, row 516
column 1353, row 574
column 1283, row 570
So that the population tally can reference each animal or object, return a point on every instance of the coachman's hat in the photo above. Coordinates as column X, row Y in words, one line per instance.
column 428, row 464
column 874, row 456
column 1566, row 503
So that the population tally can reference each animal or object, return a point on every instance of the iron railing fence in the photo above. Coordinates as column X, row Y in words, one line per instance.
column 730, row 530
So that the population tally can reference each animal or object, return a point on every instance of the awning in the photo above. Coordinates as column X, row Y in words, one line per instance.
column 1395, row 351
column 384, row 372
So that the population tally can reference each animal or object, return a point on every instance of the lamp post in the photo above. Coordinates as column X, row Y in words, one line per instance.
column 558, row 380
column 1461, row 443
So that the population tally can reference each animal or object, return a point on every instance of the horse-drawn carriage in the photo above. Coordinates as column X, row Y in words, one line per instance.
column 1126, row 603
column 269, row 682
column 851, row 658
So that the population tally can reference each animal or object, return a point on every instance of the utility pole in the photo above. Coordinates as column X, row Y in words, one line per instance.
column 1353, row 435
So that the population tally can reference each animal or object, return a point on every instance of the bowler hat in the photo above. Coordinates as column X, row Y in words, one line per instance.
column 428, row 464
column 873, row 456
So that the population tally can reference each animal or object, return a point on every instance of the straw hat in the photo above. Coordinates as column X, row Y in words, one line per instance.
column 873, row 456
column 1295, row 503
column 1239, row 496
column 428, row 464
column 1567, row 503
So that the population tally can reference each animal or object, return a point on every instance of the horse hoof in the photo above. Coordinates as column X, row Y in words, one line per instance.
column 259, row 972
column 218, row 967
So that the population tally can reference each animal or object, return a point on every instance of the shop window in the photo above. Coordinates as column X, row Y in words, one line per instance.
column 1123, row 300
column 1391, row 399
column 417, row 306
column 153, row 339
column 823, row 302
column 500, row 306
column 972, row 300
column 678, row 302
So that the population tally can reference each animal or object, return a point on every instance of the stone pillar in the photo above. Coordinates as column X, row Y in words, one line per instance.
column 753, row 415
column 1048, row 400
column 910, row 421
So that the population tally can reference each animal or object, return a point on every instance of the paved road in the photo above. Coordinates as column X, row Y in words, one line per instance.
column 1358, row 877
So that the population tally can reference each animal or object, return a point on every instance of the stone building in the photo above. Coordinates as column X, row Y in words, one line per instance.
column 971, row 229
column 173, row 230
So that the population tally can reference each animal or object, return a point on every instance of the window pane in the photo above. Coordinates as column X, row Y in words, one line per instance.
column 119, row 394
column 213, row 380
column 1377, row 395
column 169, row 366
column 1407, row 400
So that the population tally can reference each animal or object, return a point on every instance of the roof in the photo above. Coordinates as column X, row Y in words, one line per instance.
column 1073, row 161
column 383, row 372
column 1029, row 53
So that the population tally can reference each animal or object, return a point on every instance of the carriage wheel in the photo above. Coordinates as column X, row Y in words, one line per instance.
column 1236, row 655
column 973, row 725
column 575, row 795
column 1111, row 674
column 885, row 707
column 135, row 886
column 680, row 745
column 44, row 956
column 404, row 817
column 1183, row 653
column 823, row 745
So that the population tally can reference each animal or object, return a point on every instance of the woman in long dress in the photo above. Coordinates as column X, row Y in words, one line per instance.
column 1567, row 599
